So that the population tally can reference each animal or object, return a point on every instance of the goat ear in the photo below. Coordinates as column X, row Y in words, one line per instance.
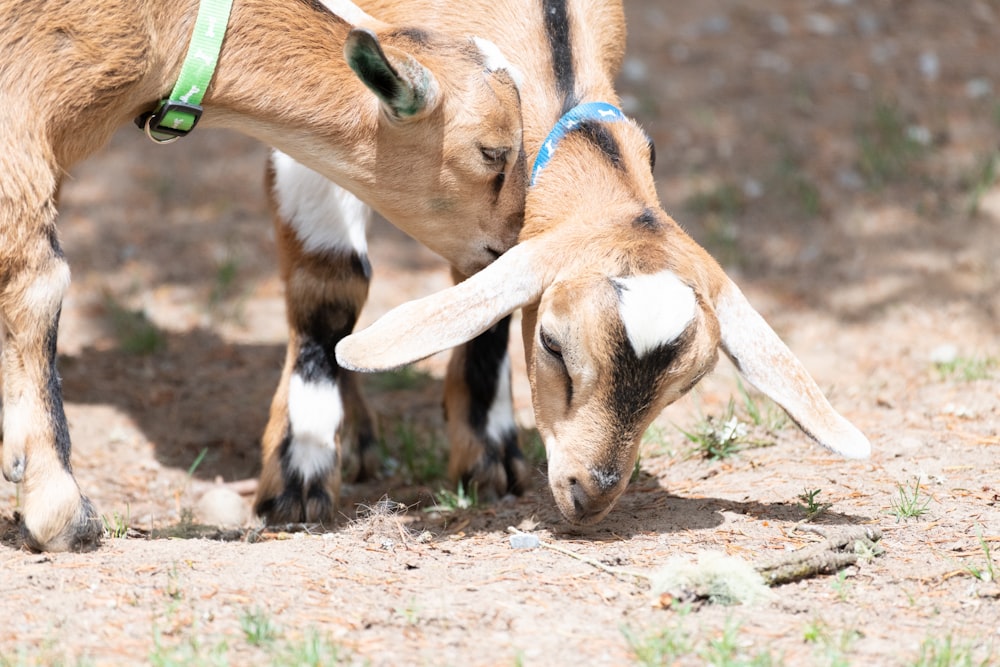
column 448, row 318
column 769, row 365
column 405, row 87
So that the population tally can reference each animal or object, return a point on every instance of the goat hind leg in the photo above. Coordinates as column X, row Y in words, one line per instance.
column 319, row 423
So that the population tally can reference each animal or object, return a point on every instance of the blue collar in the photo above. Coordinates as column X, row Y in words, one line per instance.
column 600, row 111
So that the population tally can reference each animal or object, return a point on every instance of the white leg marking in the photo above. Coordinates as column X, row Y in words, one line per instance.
column 315, row 411
column 323, row 215
column 500, row 419
column 655, row 309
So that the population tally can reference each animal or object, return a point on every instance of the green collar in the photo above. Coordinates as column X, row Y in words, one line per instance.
column 177, row 115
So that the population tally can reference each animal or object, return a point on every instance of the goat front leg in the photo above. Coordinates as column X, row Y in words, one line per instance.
column 479, row 411
column 319, row 423
column 34, row 277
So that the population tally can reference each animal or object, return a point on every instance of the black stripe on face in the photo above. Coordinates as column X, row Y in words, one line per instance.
column 635, row 384
column 557, row 29
column 599, row 135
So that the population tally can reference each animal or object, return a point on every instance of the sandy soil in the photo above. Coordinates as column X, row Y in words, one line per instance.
column 839, row 157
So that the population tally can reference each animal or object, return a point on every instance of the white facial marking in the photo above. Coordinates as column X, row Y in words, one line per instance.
column 495, row 60
column 314, row 412
column 500, row 419
column 655, row 309
column 323, row 215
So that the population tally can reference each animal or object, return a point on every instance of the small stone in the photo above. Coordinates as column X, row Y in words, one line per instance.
column 978, row 88
column 524, row 541
column 821, row 24
column 930, row 65
column 944, row 354
column 222, row 506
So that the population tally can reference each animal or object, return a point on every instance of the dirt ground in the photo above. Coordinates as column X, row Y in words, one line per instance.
column 840, row 157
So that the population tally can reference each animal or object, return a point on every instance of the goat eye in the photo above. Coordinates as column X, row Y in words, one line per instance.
column 495, row 157
column 550, row 344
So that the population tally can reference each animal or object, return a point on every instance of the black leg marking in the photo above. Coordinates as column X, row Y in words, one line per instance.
column 483, row 362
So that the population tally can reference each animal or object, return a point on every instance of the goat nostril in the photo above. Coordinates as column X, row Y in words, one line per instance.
column 581, row 501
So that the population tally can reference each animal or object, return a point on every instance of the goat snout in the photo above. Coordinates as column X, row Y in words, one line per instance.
column 587, row 498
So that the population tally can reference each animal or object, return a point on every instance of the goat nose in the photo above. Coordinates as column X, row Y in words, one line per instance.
column 585, row 505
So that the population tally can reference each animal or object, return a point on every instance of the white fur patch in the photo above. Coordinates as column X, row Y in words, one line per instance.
column 315, row 411
column 500, row 419
column 495, row 60
column 323, row 215
column 655, row 309
column 348, row 11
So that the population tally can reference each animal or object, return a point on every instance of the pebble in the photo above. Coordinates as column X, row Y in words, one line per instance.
column 930, row 65
column 944, row 354
column 222, row 507
column 525, row 541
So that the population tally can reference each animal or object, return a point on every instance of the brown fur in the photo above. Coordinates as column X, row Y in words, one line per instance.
column 73, row 72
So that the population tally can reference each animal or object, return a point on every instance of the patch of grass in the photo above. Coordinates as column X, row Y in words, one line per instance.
column 410, row 613
column 909, row 504
column 225, row 279
column 46, row 652
column 312, row 650
column 729, row 650
column 834, row 646
column 655, row 441
column 190, row 652
column 841, row 586
column 662, row 648
column 116, row 526
column 718, row 438
column 968, row 369
column 761, row 410
column 718, row 209
column 725, row 200
column 988, row 572
column 982, row 180
column 945, row 652
column 407, row 378
column 134, row 331
column 813, row 508
column 793, row 182
column 258, row 628
column 888, row 146
column 720, row 649
column 532, row 446
column 447, row 500
column 421, row 456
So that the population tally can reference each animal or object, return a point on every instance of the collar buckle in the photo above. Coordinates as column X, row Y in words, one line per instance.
column 170, row 121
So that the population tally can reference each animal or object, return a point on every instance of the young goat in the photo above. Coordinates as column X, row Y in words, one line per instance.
column 436, row 149
column 622, row 311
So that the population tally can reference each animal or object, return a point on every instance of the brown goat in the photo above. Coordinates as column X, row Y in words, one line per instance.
column 417, row 124
column 622, row 311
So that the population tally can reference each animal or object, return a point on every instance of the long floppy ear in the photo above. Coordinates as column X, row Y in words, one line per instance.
column 448, row 318
column 405, row 87
column 769, row 365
